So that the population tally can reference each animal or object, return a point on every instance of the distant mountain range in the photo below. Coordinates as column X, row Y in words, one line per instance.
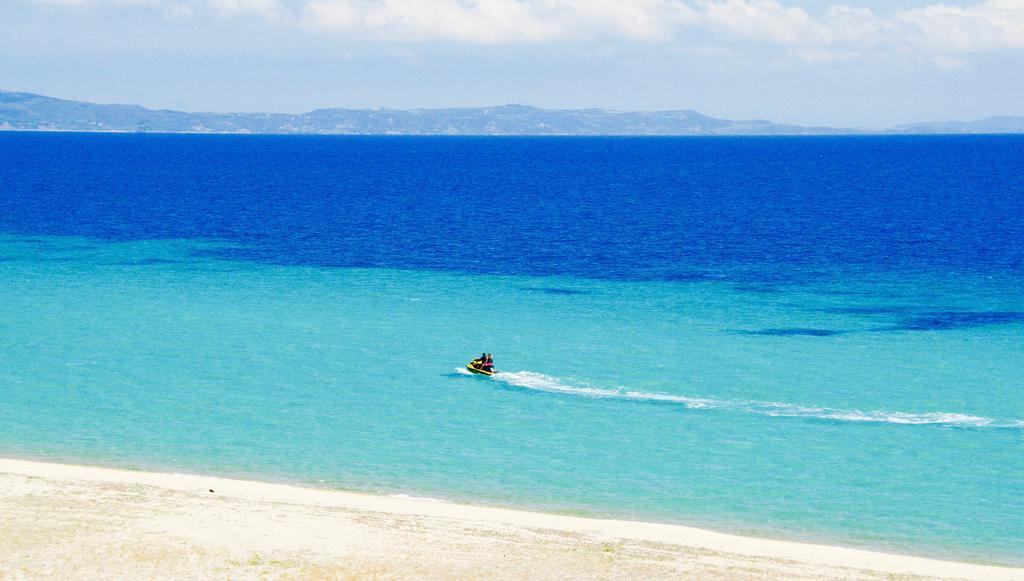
column 31, row 112
column 989, row 125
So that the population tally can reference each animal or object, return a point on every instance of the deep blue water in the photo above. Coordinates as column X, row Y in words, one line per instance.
column 606, row 208
column 814, row 338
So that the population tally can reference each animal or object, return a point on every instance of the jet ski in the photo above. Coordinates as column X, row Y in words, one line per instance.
column 478, row 370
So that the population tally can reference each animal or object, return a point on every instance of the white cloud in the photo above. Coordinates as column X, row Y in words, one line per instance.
column 476, row 22
column 648, row 20
column 838, row 33
column 763, row 20
column 270, row 10
column 938, row 28
column 179, row 12
column 499, row 21
column 992, row 24
column 99, row 2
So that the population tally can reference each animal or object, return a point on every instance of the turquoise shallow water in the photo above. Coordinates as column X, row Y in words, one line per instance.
column 856, row 408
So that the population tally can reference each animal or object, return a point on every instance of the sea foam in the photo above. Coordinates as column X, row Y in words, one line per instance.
column 540, row 382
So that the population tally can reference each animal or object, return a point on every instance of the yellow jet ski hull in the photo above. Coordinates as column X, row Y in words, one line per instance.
column 478, row 371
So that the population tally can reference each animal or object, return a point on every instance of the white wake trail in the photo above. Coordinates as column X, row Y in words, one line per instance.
column 540, row 382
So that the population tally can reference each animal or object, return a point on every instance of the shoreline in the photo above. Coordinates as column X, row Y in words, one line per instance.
column 118, row 519
column 864, row 133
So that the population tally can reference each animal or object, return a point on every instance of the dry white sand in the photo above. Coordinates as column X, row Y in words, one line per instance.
column 62, row 521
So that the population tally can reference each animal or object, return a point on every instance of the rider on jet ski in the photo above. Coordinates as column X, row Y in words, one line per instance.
column 485, row 362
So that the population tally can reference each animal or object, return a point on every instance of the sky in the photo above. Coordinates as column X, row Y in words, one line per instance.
column 848, row 63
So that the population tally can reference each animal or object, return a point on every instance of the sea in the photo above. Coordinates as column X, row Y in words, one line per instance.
column 807, row 338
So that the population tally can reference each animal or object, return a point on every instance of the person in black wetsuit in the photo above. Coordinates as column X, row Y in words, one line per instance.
column 488, row 364
column 479, row 362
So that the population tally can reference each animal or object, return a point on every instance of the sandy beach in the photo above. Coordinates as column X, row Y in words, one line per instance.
column 69, row 521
